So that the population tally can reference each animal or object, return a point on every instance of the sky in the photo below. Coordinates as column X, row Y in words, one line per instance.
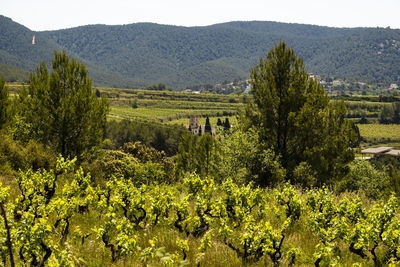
column 39, row 15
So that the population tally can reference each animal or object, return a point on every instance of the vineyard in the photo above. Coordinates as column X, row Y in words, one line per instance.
column 59, row 217
column 380, row 133
column 176, row 108
column 168, row 106
column 111, row 177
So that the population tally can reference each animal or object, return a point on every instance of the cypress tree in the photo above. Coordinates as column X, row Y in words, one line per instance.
column 227, row 124
column 207, row 126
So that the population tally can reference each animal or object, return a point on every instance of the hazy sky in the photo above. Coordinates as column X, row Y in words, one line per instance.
column 56, row 14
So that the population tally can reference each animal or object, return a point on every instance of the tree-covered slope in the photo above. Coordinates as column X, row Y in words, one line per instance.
column 17, row 50
column 181, row 56
column 146, row 53
column 16, row 46
column 13, row 74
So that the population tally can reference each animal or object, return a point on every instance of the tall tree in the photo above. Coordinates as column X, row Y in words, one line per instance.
column 293, row 115
column 386, row 115
column 227, row 124
column 63, row 110
column 197, row 154
column 396, row 112
column 4, row 103
column 207, row 126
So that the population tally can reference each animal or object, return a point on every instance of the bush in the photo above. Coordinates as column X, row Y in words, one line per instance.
column 363, row 176
column 147, row 154
column 15, row 156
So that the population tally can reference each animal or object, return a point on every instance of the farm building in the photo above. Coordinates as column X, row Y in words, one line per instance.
column 196, row 128
column 380, row 151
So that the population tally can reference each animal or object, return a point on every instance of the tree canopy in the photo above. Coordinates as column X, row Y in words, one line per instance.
column 63, row 110
column 4, row 103
column 293, row 115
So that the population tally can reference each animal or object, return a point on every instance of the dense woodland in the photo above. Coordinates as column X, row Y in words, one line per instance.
column 137, row 55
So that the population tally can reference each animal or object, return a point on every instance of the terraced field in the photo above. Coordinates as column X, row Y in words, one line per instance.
column 380, row 133
column 171, row 107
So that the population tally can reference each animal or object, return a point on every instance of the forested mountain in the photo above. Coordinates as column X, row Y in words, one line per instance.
column 145, row 53
column 18, row 55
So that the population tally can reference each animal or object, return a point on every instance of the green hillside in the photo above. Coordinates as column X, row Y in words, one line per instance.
column 13, row 74
column 17, row 50
column 139, row 54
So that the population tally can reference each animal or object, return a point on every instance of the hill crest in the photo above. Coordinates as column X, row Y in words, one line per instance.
column 134, row 55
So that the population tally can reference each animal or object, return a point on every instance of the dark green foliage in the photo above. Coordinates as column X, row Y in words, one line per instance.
column 15, row 156
column 141, row 164
column 357, row 140
column 227, row 124
column 396, row 111
column 63, row 110
column 386, row 115
column 294, row 117
column 207, row 126
column 13, row 74
column 5, row 104
column 143, row 53
column 160, row 136
column 148, row 155
column 394, row 174
column 364, row 176
column 208, row 55
column 197, row 154
column 390, row 166
column 135, row 104
column 111, row 162
column 390, row 113
column 363, row 120
column 243, row 158
column 219, row 122
column 157, row 87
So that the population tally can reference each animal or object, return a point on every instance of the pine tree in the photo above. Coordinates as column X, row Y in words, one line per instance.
column 63, row 109
column 293, row 115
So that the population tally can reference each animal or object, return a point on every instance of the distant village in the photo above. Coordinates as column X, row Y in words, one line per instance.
column 333, row 85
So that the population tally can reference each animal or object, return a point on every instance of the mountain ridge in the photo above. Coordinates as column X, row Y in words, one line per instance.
column 138, row 54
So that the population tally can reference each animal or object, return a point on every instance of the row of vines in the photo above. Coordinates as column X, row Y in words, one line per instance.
column 58, row 217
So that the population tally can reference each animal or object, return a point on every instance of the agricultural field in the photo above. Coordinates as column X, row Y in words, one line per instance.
column 176, row 108
column 380, row 133
column 168, row 106
column 367, row 109
column 173, row 107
